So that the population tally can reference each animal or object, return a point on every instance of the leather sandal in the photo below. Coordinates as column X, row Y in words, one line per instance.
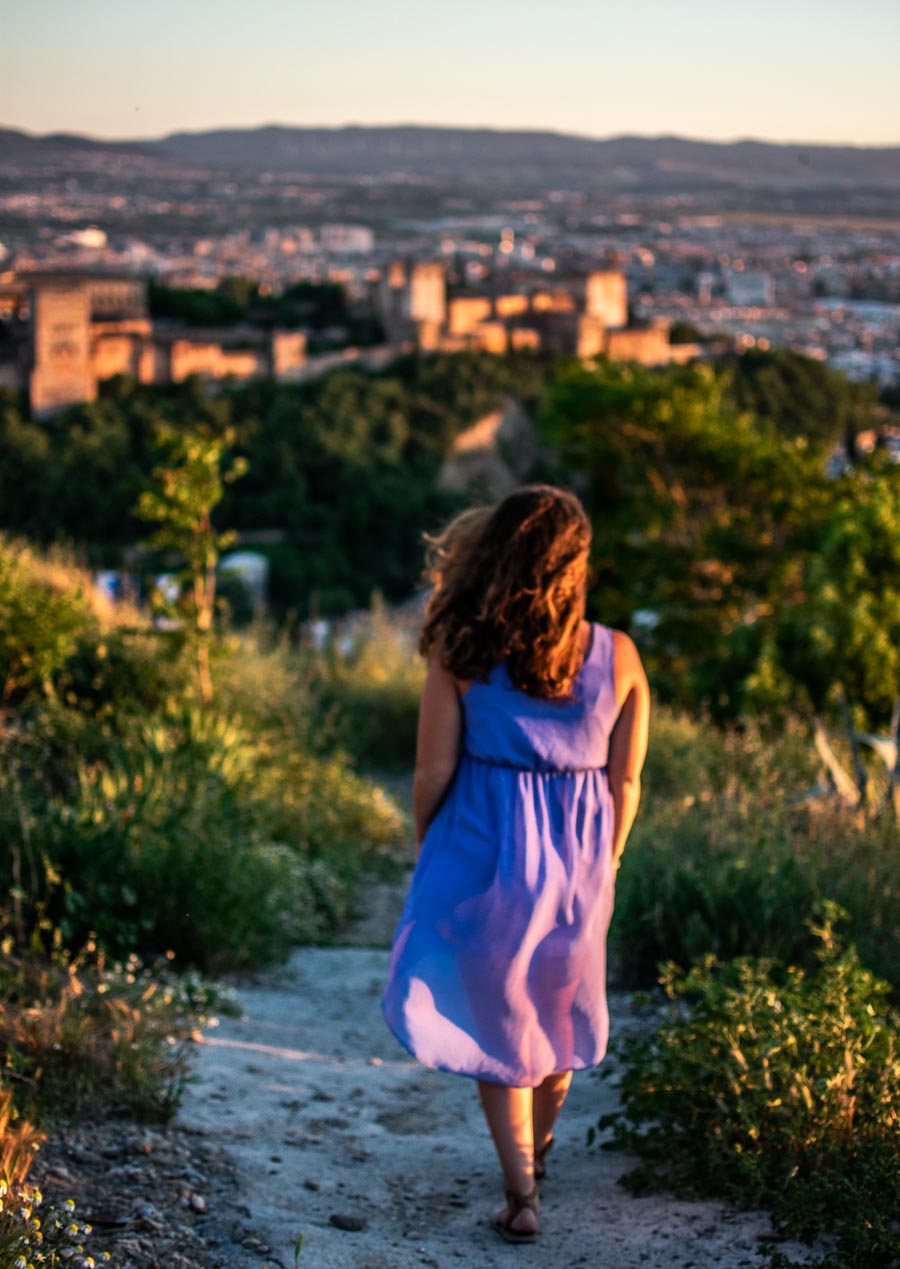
column 540, row 1159
column 517, row 1203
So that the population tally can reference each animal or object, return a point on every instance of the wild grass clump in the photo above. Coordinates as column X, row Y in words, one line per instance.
column 192, row 835
column 225, row 831
column 60, row 638
column 81, row 1036
column 730, row 856
column 33, row 1234
column 373, row 691
column 779, row 1088
column 79, row 1033
column 19, row 1143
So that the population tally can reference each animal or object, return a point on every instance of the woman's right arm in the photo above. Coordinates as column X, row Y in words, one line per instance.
column 437, row 745
column 628, row 742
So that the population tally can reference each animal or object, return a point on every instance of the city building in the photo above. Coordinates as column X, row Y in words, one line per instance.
column 347, row 239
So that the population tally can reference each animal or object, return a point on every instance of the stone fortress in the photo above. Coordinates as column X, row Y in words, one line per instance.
column 585, row 318
column 73, row 330
column 82, row 328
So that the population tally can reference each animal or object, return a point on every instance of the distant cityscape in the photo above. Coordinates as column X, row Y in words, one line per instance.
column 630, row 271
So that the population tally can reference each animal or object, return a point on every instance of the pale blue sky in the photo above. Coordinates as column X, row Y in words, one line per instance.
column 787, row 70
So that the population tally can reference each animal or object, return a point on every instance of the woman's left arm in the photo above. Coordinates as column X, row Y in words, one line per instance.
column 437, row 744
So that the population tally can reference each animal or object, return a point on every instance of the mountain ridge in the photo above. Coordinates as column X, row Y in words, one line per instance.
column 503, row 155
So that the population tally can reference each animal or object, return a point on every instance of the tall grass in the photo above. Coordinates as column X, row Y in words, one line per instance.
column 225, row 834
column 372, row 692
column 730, row 856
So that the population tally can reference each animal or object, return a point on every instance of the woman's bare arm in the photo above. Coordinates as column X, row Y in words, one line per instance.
column 437, row 745
column 628, row 742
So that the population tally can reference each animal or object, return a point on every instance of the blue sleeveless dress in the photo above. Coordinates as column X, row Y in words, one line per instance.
column 498, row 966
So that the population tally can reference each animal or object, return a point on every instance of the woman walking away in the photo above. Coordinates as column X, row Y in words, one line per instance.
column 532, row 735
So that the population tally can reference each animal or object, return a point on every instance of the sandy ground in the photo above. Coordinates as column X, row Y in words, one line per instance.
column 336, row 1133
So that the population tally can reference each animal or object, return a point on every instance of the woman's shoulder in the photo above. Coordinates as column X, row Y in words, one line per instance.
column 629, row 669
column 600, row 638
column 618, row 638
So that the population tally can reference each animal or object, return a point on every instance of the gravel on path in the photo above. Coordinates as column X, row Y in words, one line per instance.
column 337, row 1134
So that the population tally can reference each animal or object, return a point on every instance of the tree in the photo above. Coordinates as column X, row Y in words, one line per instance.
column 801, row 396
column 187, row 486
column 842, row 642
column 699, row 515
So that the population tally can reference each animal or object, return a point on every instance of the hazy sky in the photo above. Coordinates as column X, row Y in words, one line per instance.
column 799, row 70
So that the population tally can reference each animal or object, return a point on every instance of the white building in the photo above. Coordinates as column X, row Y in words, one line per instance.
column 750, row 290
column 346, row 238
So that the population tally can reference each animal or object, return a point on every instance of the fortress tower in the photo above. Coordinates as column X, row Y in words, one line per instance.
column 60, row 346
column 606, row 298
column 412, row 301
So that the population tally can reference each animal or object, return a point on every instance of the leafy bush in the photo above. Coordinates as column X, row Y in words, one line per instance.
column 125, row 671
column 779, row 1088
column 728, row 856
column 190, row 834
column 60, row 638
column 43, row 614
column 761, row 579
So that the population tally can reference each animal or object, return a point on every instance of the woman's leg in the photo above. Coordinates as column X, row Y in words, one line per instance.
column 548, row 1100
column 508, row 1112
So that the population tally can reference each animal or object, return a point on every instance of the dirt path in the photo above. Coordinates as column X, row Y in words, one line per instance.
column 338, row 1134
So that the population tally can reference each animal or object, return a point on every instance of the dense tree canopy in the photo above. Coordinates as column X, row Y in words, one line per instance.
column 749, row 577
column 344, row 467
column 801, row 396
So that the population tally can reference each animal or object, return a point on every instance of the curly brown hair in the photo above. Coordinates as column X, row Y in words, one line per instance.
column 509, row 583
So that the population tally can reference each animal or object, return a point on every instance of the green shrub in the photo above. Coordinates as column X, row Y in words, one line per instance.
column 778, row 1088
column 727, row 857
column 276, row 689
column 59, row 638
column 190, row 833
column 125, row 671
column 44, row 612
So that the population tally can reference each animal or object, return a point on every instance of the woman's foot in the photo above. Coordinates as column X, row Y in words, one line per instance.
column 517, row 1222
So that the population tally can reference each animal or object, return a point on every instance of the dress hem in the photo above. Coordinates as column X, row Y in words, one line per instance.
column 477, row 1075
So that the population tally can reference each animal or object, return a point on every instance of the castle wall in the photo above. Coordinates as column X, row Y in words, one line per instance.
column 466, row 312
column 490, row 337
column 558, row 301
column 117, row 297
column 117, row 348
column 427, row 299
column 510, row 305
column 649, row 346
column 188, row 357
column 525, row 339
column 591, row 336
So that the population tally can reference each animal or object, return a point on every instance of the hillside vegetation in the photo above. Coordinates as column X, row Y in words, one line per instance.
column 178, row 794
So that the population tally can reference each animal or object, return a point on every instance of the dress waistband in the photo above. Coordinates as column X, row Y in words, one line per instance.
column 535, row 770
